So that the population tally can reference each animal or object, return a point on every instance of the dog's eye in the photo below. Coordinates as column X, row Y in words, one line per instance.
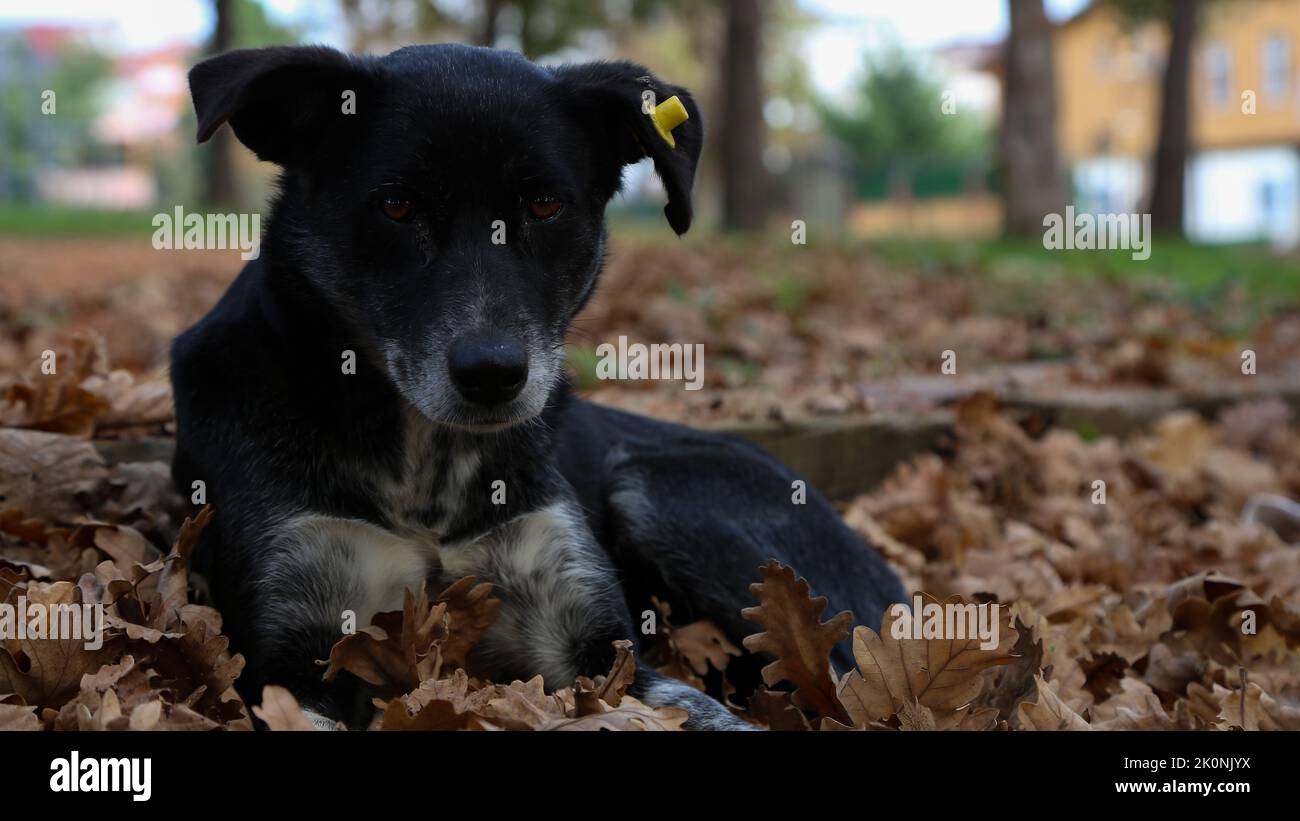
column 396, row 208
column 544, row 208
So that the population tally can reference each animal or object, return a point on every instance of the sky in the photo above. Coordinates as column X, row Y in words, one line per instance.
column 833, row 49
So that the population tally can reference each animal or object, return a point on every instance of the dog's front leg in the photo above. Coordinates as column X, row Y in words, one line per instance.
column 320, row 573
column 562, row 610
column 659, row 690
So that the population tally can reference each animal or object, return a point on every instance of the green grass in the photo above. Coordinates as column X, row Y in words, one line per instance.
column 47, row 221
column 1193, row 272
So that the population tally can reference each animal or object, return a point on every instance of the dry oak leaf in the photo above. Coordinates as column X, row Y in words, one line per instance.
column 1254, row 709
column 14, row 715
column 1011, row 684
column 46, row 671
column 611, row 688
column 401, row 650
column 1171, row 672
column 59, row 402
column 130, row 683
column 688, row 653
column 150, row 602
column 1205, row 609
column 459, row 703
column 1180, row 443
column 471, row 610
column 16, row 523
column 629, row 715
column 174, row 579
column 704, row 645
column 49, row 476
column 795, row 634
column 398, row 650
column 1049, row 712
column 915, row 716
column 941, row 674
column 280, row 710
column 128, row 696
column 1137, row 707
column 776, row 709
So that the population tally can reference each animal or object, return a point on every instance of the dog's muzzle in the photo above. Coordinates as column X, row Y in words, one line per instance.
column 487, row 369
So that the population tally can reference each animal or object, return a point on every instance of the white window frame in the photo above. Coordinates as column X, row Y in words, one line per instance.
column 1218, row 74
column 1277, row 78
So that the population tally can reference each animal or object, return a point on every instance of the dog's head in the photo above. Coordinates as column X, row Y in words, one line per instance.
column 449, row 201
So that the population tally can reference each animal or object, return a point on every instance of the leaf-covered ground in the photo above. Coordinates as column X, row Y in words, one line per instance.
column 788, row 331
column 1132, row 591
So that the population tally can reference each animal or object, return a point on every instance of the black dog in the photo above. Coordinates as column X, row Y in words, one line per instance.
column 452, row 447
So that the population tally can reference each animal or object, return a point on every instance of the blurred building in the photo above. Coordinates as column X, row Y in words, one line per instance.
column 97, row 150
column 1243, row 176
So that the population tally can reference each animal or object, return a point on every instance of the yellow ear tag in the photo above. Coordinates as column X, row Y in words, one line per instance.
column 668, row 115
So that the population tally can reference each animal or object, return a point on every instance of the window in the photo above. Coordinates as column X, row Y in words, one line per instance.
column 1218, row 66
column 1277, row 68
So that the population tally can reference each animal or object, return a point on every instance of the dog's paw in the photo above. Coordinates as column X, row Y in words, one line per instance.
column 321, row 722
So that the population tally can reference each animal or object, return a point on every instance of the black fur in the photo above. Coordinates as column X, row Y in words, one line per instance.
column 336, row 490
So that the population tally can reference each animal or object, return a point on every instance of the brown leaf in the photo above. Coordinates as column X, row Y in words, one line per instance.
column 915, row 716
column 702, row 644
column 58, row 402
column 174, row 579
column 942, row 674
column 49, row 476
column 630, row 715
column 1049, row 712
column 280, row 710
column 1008, row 685
column 795, row 634
column 18, row 716
column 471, row 610
column 776, row 709
column 46, row 671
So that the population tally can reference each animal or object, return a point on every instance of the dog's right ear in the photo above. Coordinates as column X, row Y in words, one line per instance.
column 282, row 101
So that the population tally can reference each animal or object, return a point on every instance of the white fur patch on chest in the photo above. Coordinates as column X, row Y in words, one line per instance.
column 429, row 478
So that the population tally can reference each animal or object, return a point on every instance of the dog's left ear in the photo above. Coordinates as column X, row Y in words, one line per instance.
column 618, row 100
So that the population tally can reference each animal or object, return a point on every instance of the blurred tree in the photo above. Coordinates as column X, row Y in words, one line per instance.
column 1181, row 17
column 375, row 26
column 1032, row 173
column 535, row 28
column 30, row 139
column 220, row 184
column 488, row 27
column 236, row 24
column 897, row 115
column 741, row 131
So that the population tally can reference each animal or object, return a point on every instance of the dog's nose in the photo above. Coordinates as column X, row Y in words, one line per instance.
column 488, row 370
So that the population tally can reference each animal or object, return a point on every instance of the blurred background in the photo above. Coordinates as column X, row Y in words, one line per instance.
column 920, row 143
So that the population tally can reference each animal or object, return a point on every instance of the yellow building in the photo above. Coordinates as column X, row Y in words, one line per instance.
column 1243, row 178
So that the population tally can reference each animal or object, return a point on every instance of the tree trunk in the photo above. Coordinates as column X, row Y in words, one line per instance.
column 1175, row 114
column 487, row 34
column 744, row 180
column 1033, row 176
column 221, row 187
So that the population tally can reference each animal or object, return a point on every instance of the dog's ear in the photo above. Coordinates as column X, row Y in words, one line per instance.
column 618, row 99
column 281, row 102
